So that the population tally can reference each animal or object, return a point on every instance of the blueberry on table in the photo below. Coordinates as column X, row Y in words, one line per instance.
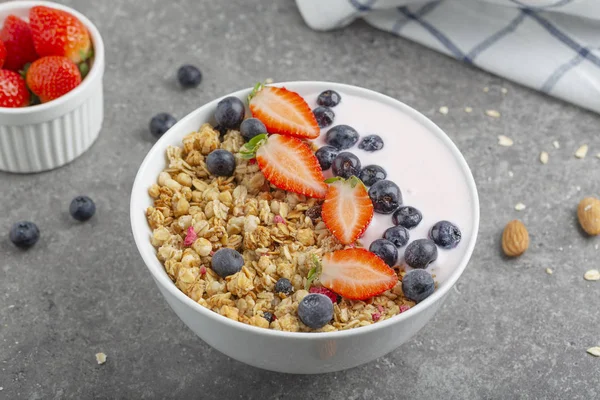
column 230, row 112
column 324, row 116
column 284, row 286
column 189, row 76
column 407, row 216
column 220, row 162
column 420, row 253
column 386, row 196
column 315, row 310
column 226, row 262
column 371, row 174
column 386, row 250
column 341, row 137
column 161, row 123
column 329, row 98
column 371, row 143
column 398, row 235
column 252, row 127
column 417, row 285
column 345, row 165
column 24, row 234
column 326, row 155
column 445, row 234
column 82, row 208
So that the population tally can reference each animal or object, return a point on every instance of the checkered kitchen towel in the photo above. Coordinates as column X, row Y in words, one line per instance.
column 549, row 45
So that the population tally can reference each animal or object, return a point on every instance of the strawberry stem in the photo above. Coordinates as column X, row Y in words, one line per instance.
column 314, row 272
column 249, row 150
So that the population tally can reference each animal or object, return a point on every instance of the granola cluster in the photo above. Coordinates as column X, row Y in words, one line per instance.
column 275, row 231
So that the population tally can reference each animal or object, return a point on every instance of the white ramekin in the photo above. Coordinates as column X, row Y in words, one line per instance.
column 290, row 352
column 47, row 136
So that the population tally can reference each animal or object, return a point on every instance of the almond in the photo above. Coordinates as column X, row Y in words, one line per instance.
column 515, row 238
column 588, row 213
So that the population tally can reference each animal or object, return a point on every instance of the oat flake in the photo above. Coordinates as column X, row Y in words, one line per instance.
column 598, row 155
column 592, row 275
column 556, row 144
column 444, row 110
column 595, row 351
column 520, row 206
column 100, row 358
column 486, row 89
column 549, row 271
column 504, row 90
column 492, row 113
column 582, row 151
column 505, row 141
column 544, row 157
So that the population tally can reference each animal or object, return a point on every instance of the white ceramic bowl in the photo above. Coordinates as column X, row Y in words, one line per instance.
column 291, row 352
column 47, row 136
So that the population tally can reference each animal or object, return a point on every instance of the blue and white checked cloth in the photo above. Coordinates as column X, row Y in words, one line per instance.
column 549, row 45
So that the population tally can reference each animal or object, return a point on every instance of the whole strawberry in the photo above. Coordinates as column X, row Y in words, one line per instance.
column 2, row 53
column 52, row 77
column 58, row 33
column 13, row 91
column 16, row 36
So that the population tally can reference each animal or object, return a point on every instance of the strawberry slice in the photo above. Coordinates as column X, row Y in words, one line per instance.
column 347, row 210
column 287, row 163
column 283, row 111
column 356, row 274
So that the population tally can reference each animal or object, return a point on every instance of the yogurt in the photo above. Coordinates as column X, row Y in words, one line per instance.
column 429, row 176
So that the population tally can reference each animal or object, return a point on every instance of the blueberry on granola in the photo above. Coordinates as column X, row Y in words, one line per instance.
column 445, row 234
column 82, row 208
column 386, row 196
column 341, row 137
column 268, row 316
column 371, row 143
column 324, row 116
column 24, row 234
column 161, row 123
column 417, row 285
column 189, row 76
column 345, row 165
column 220, row 163
column 329, row 98
column 226, row 262
column 284, row 286
column 314, row 213
column 398, row 235
column 326, row 155
column 315, row 310
column 420, row 253
column 252, row 127
column 386, row 250
column 230, row 112
column 371, row 174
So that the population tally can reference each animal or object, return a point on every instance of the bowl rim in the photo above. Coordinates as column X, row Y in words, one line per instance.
column 165, row 282
column 96, row 70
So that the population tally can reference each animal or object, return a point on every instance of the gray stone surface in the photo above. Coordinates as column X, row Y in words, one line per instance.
column 509, row 330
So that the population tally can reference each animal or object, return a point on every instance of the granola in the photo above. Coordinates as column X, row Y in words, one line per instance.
column 195, row 214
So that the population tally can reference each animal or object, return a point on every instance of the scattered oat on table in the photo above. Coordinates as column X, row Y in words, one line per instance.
column 592, row 275
column 100, row 358
column 269, row 80
column 556, row 144
column 492, row 113
column 520, row 206
column 510, row 173
column 598, row 155
column 544, row 157
column 504, row 90
column 468, row 109
column 549, row 271
column 486, row 89
column 505, row 141
column 595, row 351
column 582, row 151
column 443, row 110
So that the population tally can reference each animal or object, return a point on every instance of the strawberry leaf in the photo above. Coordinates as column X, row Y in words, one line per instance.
column 257, row 88
column 333, row 179
column 84, row 69
column 23, row 72
column 250, row 148
column 314, row 272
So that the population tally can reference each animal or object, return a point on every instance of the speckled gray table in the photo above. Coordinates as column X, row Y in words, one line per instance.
column 509, row 330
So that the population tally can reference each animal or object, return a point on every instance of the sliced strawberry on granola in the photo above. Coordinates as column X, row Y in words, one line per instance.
column 283, row 111
column 287, row 163
column 356, row 274
column 347, row 210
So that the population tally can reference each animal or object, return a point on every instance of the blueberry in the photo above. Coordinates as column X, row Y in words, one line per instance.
column 345, row 165
column 82, row 208
column 386, row 196
column 226, row 262
column 24, row 234
column 417, row 285
column 189, row 76
column 398, row 235
column 445, row 234
column 329, row 98
column 324, row 116
column 314, row 213
column 407, row 216
column 326, row 155
column 268, row 316
column 341, row 137
column 161, row 123
column 230, row 112
column 252, row 127
column 284, row 286
column 371, row 174
column 420, row 253
column 371, row 143
column 315, row 310
column 220, row 162
column 385, row 250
